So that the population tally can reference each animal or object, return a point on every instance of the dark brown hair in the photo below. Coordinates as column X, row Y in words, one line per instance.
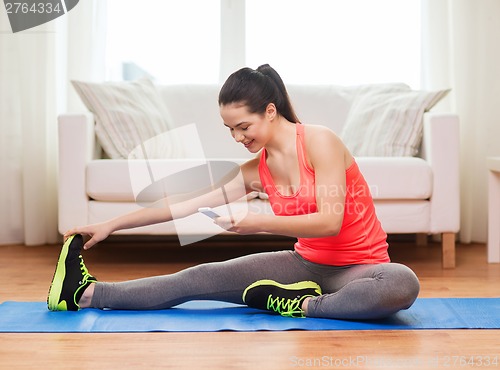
column 256, row 89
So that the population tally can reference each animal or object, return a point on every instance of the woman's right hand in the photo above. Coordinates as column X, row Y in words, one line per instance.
column 97, row 233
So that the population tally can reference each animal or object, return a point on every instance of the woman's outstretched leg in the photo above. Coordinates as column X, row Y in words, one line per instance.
column 221, row 281
column 224, row 281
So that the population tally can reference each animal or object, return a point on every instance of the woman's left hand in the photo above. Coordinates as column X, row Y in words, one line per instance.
column 244, row 223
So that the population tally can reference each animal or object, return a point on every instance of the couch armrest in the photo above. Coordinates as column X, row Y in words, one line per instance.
column 76, row 149
column 441, row 148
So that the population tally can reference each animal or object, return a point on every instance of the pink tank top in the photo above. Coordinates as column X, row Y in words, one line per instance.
column 361, row 239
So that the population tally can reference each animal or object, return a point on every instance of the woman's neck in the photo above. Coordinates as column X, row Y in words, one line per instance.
column 283, row 138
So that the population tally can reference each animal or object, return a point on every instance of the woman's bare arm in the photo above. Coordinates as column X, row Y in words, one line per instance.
column 169, row 208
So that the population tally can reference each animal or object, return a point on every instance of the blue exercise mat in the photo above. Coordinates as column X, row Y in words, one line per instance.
column 209, row 316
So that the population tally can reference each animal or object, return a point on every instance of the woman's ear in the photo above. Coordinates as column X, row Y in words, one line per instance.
column 271, row 111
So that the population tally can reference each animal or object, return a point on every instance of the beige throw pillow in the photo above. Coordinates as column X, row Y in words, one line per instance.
column 388, row 122
column 126, row 115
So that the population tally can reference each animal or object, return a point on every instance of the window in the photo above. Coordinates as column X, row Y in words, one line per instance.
column 344, row 42
column 172, row 41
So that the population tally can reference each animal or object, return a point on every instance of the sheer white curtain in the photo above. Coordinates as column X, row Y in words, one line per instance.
column 461, row 51
column 35, row 66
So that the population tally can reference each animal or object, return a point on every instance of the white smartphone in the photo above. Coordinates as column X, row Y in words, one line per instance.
column 208, row 212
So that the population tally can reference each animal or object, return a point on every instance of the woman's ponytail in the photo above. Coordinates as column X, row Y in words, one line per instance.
column 284, row 104
column 256, row 89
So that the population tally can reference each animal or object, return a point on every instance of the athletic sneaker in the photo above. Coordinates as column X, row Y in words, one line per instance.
column 283, row 299
column 71, row 277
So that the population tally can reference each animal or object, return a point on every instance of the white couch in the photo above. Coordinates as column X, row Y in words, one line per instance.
column 412, row 194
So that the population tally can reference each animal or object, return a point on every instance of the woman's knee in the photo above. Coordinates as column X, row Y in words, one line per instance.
column 406, row 285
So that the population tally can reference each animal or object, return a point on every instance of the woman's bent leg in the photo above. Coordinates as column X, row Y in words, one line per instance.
column 366, row 292
column 223, row 281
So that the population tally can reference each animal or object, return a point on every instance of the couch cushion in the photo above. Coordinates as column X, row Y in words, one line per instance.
column 388, row 178
column 109, row 180
column 117, row 180
column 404, row 216
column 397, row 177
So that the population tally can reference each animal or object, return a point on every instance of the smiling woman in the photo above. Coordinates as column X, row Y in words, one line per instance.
column 194, row 41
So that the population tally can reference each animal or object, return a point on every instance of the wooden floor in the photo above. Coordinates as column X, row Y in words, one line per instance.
column 25, row 274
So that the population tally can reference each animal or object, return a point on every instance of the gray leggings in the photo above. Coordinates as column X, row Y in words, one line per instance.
column 349, row 292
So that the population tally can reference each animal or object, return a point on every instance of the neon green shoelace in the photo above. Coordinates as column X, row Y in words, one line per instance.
column 285, row 306
column 85, row 272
